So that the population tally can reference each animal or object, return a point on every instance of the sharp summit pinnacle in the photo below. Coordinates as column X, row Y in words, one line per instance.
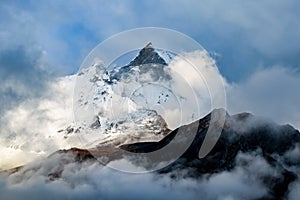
column 147, row 55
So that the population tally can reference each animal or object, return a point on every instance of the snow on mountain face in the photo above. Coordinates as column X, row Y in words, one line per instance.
column 169, row 95
column 106, row 106
column 148, row 88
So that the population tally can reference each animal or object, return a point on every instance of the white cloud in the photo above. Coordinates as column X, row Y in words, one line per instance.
column 197, row 88
column 273, row 93
column 265, row 26
column 92, row 180
column 30, row 129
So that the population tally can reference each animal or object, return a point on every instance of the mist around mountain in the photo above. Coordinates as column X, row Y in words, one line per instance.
column 254, row 158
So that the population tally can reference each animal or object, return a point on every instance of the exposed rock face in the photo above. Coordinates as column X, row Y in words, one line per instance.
column 243, row 134
column 147, row 59
column 147, row 55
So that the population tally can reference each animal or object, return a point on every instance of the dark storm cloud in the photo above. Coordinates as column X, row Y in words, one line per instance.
column 21, row 75
column 23, row 72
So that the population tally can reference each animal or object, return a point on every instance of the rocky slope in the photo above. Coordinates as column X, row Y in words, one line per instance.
column 243, row 136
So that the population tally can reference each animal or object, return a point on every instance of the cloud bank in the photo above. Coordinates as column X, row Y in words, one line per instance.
column 94, row 181
column 270, row 92
column 30, row 128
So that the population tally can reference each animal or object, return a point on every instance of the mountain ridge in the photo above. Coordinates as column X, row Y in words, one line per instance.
column 268, row 140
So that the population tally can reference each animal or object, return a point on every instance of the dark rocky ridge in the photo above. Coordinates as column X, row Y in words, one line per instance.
column 267, row 137
column 241, row 133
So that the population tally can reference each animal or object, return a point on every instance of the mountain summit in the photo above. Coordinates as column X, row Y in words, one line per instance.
column 147, row 60
column 146, row 56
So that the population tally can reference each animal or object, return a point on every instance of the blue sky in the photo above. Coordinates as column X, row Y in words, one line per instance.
column 45, row 39
column 244, row 35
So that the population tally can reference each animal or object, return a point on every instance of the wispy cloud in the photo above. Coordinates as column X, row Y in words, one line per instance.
column 246, row 34
column 92, row 180
column 271, row 92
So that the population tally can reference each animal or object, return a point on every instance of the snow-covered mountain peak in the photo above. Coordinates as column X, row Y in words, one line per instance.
column 105, row 95
column 108, row 104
